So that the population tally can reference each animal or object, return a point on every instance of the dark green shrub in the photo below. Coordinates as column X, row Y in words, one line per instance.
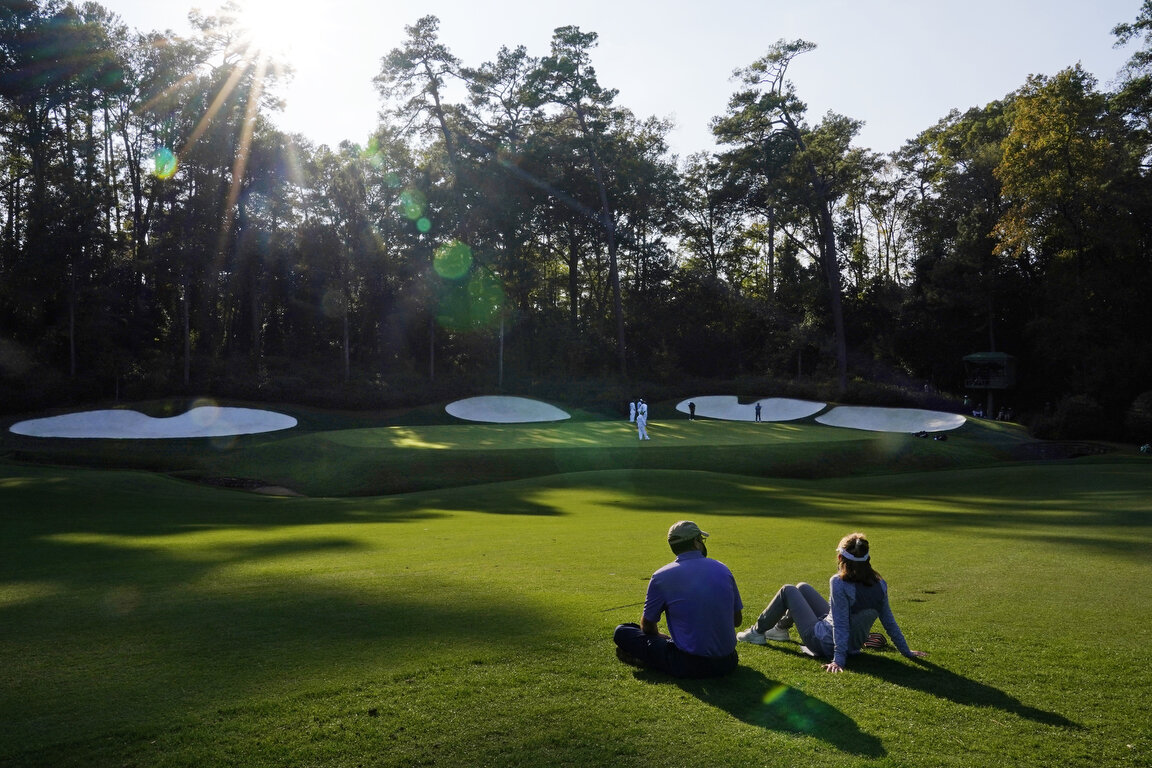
column 1077, row 417
column 1138, row 419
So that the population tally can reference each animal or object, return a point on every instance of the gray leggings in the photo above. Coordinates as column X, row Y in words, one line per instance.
column 801, row 604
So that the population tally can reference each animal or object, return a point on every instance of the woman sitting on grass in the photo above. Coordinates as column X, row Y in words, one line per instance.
column 839, row 627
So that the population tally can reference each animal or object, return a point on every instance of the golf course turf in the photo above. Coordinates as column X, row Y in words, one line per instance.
column 443, row 593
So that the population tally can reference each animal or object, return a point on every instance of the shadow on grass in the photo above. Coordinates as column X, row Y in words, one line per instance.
column 924, row 676
column 135, row 664
column 750, row 697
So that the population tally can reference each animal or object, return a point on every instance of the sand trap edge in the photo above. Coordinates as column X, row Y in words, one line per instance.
column 504, row 409
column 123, row 424
column 874, row 419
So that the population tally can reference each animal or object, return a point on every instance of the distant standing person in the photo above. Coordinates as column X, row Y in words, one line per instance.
column 692, row 411
column 701, row 605
column 642, row 419
column 838, row 628
column 631, row 410
column 757, row 411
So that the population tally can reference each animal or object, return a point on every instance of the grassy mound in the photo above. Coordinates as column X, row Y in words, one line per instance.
column 334, row 454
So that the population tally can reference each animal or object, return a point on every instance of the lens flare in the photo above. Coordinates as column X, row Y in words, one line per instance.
column 412, row 204
column 224, row 443
column 486, row 297
column 473, row 304
column 791, row 709
column 164, row 163
column 205, row 412
column 775, row 694
column 452, row 260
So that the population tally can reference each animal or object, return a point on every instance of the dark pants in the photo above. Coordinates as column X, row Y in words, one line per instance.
column 659, row 652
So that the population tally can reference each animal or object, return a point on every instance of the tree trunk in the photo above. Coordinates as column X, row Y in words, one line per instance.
column 772, row 252
column 608, row 223
column 835, row 299
column 617, row 303
column 573, row 282
column 431, row 348
column 187, row 337
column 72, row 322
column 828, row 259
column 347, row 344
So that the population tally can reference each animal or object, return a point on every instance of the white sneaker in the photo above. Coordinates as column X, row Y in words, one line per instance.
column 777, row 633
column 750, row 635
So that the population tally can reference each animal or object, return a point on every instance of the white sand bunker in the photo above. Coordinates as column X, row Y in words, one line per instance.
column 729, row 408
column 891, row 419
column 499, row 409
column 202, row 421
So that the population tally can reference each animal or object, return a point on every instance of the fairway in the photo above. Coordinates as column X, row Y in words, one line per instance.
column 445, row 594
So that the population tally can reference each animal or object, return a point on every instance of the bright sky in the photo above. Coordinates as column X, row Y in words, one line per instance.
column 898, row 65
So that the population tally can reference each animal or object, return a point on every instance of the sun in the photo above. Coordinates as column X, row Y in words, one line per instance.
column 273, row 29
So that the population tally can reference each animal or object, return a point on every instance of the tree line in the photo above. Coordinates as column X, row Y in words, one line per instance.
column 512, row 221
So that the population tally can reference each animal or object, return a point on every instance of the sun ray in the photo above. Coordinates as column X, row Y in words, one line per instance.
column 260, row 35
column 243, row 152
column 217, row 103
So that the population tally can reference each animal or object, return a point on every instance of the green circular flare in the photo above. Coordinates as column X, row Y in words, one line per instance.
column 165, row 163
column 412, row 204
column 486, row 298
column 472, row 305
column 452, row 260
column 423, row 224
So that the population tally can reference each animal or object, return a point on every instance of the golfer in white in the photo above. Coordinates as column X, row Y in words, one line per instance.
column 642, row 419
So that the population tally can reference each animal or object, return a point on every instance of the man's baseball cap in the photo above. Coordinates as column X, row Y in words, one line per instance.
column 685, row 530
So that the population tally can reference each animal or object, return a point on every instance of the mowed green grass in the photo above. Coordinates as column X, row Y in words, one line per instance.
column 334, row 457
column 150, row 621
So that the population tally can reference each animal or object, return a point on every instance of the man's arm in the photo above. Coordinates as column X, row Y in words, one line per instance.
column 649, row 627
column 738, row 619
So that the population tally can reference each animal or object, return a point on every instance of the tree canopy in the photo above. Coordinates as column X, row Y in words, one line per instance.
column 512, row 220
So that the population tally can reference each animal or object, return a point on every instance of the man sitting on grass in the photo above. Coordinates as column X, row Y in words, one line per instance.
column 703, row 605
